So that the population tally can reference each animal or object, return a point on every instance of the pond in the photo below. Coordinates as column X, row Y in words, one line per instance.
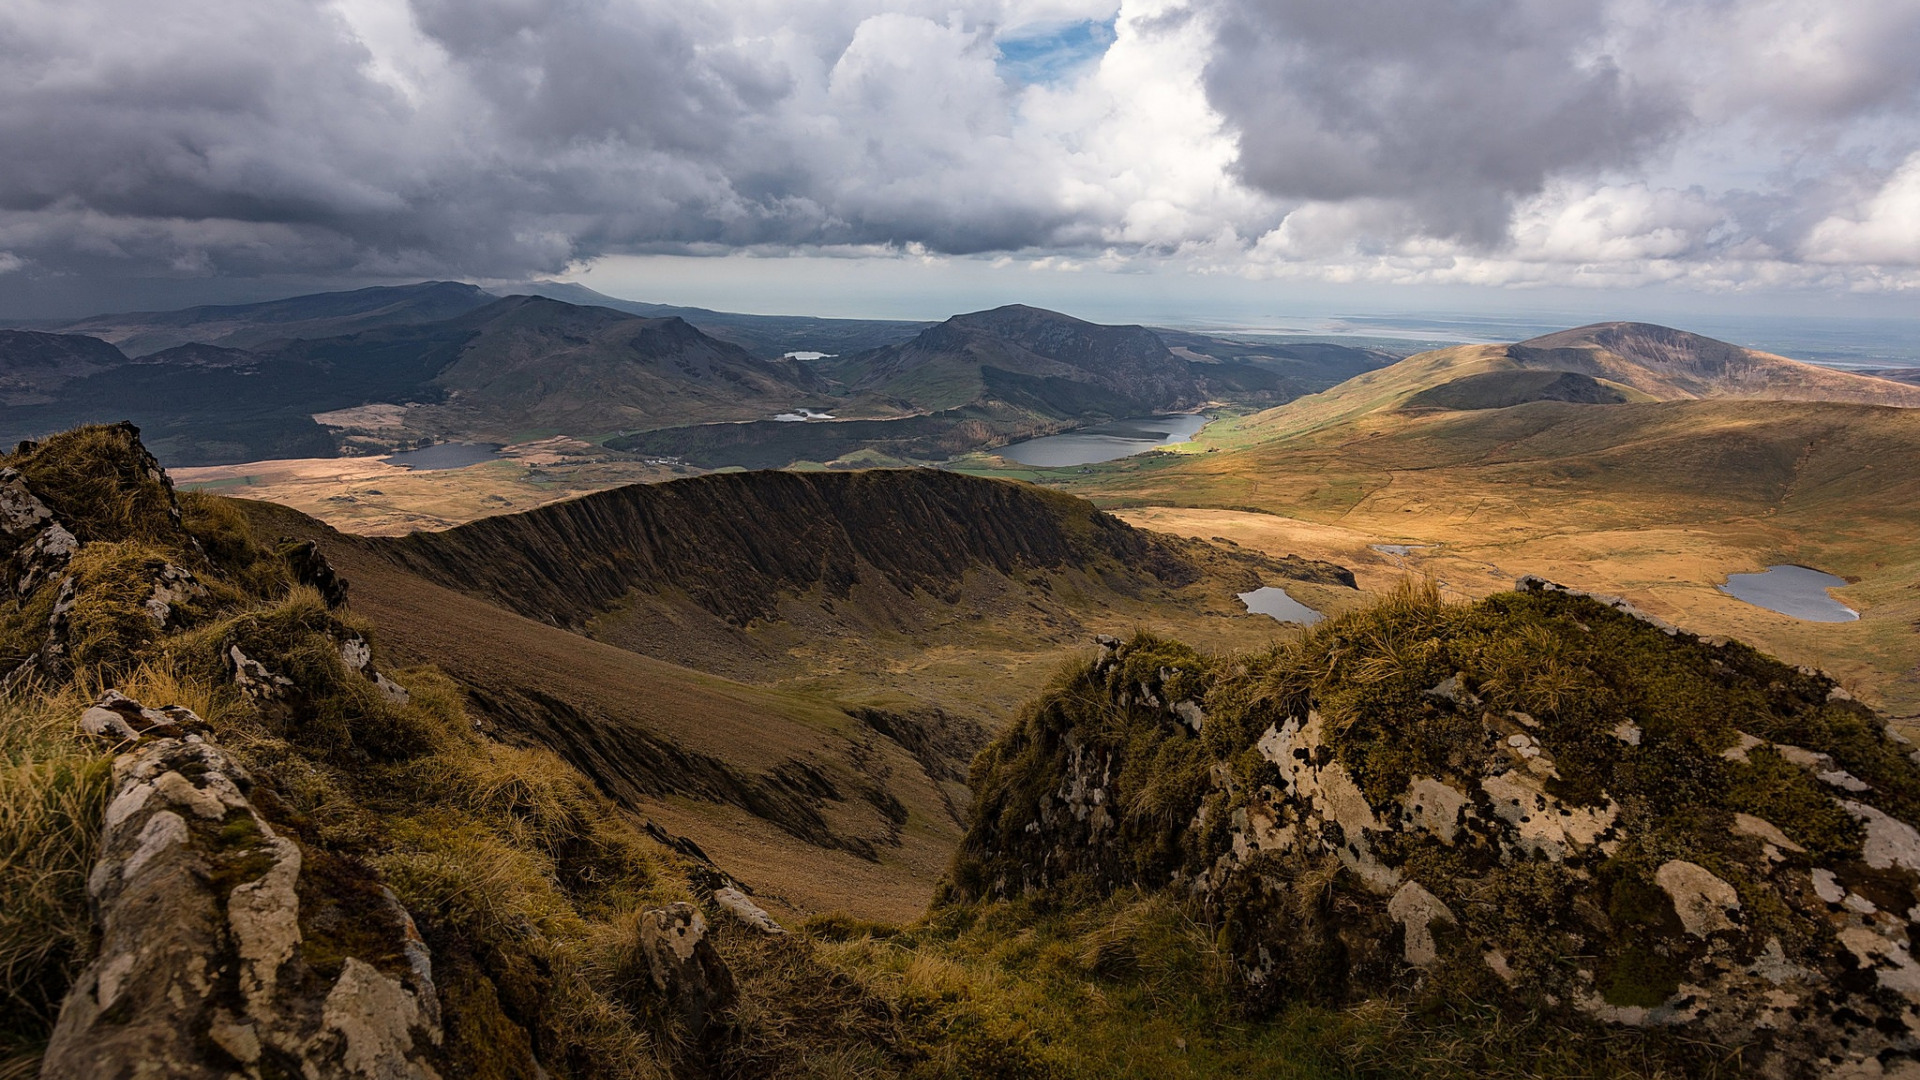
column 447, row 455
column 1105, row 442
column 1269, row 600
column 1792, row 590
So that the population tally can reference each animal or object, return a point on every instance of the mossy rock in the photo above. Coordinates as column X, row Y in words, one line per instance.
column 1540, row 793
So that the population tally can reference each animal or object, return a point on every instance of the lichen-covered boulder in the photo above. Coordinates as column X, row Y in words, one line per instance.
column 215, row 959
column 1541, row 798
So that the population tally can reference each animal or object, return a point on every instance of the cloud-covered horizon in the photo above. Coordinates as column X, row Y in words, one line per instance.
column 1714, row 144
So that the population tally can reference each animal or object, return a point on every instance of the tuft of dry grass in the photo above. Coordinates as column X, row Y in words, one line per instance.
column 52, row 794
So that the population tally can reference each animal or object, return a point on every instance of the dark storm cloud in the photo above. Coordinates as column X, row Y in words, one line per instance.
column 1454, row 108
column 499, row 138
column 343, row 140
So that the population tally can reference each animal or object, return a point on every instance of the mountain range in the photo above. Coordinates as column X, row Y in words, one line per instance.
column 448, row 361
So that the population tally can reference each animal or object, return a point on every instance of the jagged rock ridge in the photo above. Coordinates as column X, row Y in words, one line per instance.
column 736, row 543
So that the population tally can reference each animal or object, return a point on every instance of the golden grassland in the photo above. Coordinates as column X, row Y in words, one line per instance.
column 1653, row 501
column 365, row 495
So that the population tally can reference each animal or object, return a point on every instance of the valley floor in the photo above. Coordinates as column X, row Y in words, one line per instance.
column 367, row 496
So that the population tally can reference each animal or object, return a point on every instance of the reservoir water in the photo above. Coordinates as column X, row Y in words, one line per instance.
column 1792, row 590
column 1104, row 442
column 449, row 455
column 1269, row 600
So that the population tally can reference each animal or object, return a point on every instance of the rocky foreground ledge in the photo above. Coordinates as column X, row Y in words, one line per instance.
column 217, row 955
column 224, row 951
column 1540, row 800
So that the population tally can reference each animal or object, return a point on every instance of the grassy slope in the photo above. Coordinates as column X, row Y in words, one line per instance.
column 1658, row 501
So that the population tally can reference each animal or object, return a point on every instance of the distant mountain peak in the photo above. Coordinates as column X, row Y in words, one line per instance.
column 1670, row 363
column 1662, row 348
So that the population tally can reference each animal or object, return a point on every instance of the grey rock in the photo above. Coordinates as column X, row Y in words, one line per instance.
column 39, row 544
column 122, row 719
column 735, row 903
column 173, row 587
column 1301, row 861
column 357, row 654
column 253, row 678
column 200, row 975
column 685, row 966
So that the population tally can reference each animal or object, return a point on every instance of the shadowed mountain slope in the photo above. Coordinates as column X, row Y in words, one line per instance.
column 989, row 378
column 511, row 365
column 196, row 354
column 1504, row 389
column 535, row 361
column 221, row 385
column 320, row 315
column 768, row 337
column 734, row 545
column 1030, row 358
column 34, row 366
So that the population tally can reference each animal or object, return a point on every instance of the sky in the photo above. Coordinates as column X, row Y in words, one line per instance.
column 1218, row 160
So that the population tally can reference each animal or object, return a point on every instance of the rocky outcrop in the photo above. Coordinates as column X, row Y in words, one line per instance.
column 40, row 545
column 57, row 593
column 684, row 965
column 312, row 569
column 213, row 959
column 1384, row 818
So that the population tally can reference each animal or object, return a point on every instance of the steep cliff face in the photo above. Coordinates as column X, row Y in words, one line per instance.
column 1539, row 799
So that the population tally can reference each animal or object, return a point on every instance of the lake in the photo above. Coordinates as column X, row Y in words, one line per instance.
column 447, row 455
column 1792, row 590
column 1104, row 442
column 1269, row 600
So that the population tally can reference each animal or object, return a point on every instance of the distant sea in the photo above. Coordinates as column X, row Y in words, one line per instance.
column 1834, row 342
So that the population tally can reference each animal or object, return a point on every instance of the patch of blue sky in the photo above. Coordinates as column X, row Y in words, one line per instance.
column 1048, row 54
